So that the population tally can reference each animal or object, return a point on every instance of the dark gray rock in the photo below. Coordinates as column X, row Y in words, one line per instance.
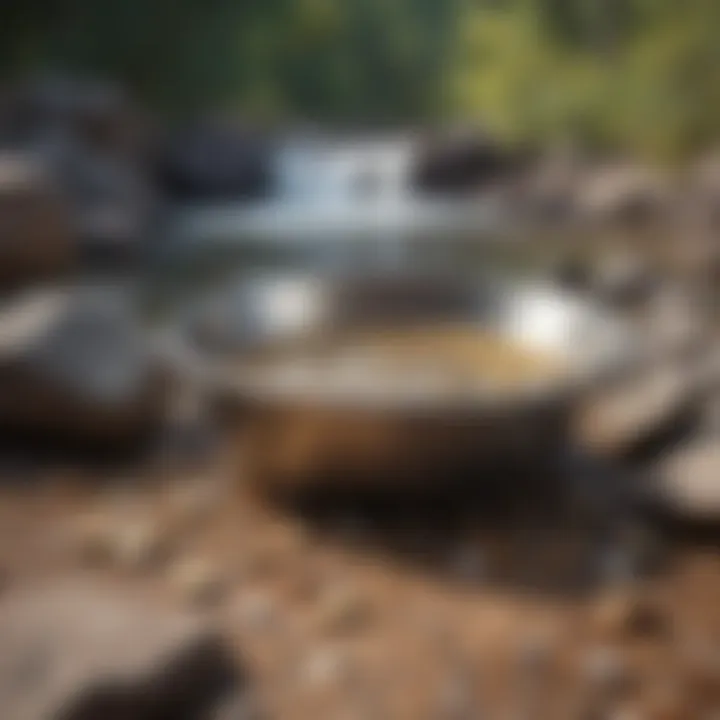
column 212, row 160
column 77, row 652
column 460, row 162
column 95, row 144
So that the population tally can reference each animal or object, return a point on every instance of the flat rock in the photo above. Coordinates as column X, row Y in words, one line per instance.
column 77, row 652
column 622, row 417
column 75, row 363
column 686, row 481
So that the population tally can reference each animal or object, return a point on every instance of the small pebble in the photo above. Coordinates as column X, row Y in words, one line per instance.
column 535, row 652
column 256, row 610
column 191, row 503
column 325, row 667
column 138, row 545
column 456, row 700
column 127, row 543
column 198, row 581
column 606, row 671
column 344, row 610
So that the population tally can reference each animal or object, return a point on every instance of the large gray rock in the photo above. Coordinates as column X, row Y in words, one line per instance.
column 96, row 146
column 74, row 362
column 215, row 160
column 77, row 652
column 112, row 200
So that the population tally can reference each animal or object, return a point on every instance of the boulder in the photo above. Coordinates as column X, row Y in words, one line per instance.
column 210, row 160
column 113, row 202
column 97, row 113
column 37, row 239
column 75, row 364
column 460, row 162
column 95, row 144
column 77, row 652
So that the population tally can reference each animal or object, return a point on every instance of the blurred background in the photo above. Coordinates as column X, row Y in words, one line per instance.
column 359, row 359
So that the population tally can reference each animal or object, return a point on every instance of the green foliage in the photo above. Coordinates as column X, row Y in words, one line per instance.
column 642, row 75
column 636, row 75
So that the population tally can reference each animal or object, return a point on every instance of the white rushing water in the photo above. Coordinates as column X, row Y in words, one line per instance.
column 337, row 192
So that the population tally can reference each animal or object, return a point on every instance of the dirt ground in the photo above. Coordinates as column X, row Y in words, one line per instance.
column 395, row 611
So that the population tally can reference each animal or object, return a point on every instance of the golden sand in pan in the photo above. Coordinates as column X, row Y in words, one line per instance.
column 459, row 353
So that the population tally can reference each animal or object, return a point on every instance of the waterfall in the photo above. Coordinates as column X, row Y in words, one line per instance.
column 344, row 174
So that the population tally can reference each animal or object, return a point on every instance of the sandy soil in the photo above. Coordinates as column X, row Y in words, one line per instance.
column 352, row 611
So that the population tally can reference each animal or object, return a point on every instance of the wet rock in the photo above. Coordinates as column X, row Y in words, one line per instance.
column 92, row 111
column 198, row 581
column 630, row 414
column 214, row 160
column 81, row 652
column 76, row 366
column 684, row 482
column 36, row 231
column 462, row 161
column 94, row 143
column 112, row 202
